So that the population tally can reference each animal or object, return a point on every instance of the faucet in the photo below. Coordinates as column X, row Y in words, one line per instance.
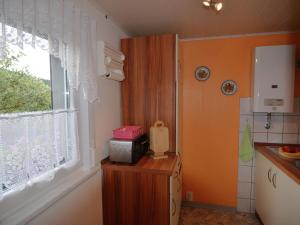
column 269, row 121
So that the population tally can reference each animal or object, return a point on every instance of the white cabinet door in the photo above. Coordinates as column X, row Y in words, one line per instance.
column 264, row 192
column 277, row 195
column 287, row 199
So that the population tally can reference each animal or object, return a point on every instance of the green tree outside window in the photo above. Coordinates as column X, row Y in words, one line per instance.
column 19, row 90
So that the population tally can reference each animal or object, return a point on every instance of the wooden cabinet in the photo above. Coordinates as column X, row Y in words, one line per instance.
column 149, row 88
column 277, row 195
column 148, row 193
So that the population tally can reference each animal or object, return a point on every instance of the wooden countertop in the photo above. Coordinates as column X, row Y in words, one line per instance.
column 286, row 165
column 145, row 164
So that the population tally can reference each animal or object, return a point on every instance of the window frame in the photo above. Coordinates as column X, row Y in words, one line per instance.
column 17, row 207
column 61, row 80
column 67, row 97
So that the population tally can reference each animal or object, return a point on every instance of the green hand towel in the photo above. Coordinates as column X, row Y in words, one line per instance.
column 246, row 149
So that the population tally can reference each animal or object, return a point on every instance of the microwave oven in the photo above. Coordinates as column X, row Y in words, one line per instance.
column 128, row 151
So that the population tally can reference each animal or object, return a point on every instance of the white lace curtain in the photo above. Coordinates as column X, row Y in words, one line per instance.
column 35, row 144
column 58, row 26
column 32, row 144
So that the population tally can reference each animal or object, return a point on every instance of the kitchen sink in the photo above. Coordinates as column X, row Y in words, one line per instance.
column 275, row 149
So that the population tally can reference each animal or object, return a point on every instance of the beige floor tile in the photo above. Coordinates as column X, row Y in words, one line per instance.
column 210, row 216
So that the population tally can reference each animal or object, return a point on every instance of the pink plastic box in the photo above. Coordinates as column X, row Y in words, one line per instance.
column 128, row 132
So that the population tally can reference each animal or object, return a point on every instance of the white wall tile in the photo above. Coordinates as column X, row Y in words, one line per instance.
column 291, row 124
column 253, row 174
column 245, row 106
column 244, row 174
column 252, row 208
column 253, row 160
column 290, row 138
column 259, row 123
column 260, row 137
column 243, row 205
column 248, row 163
column 252, row 191
column 260, row 113
column 277, row 114
column 244, row 119
column 297, row 106
column 276, row 124
column 274, row 138
column 244, row 189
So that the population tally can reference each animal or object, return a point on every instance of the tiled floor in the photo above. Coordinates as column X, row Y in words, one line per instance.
column 211, row 216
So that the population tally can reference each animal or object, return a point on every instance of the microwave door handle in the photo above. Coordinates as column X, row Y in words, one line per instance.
column 144, row 142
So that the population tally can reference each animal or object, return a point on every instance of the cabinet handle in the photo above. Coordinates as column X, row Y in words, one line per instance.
column 176, row 175
column 174, row 207
column 180, row 166
column 274, row 180
column 269, row 175
column 179, row 185
column 144, row 142
column 179, row 162
column 179, row 157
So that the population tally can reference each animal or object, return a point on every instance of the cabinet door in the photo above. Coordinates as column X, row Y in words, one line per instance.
column 133, row 198
column 175, row 194
column 277, row 196
column 178, row 189
column 149, row 88
column 287, row 197
column 264, row 191
column 173, row 204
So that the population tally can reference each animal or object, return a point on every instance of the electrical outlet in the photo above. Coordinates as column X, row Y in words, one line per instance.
column 189, row 196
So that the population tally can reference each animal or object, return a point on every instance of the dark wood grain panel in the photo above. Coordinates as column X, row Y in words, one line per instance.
column 132, row 198
column 167, row 101
column 149, row 88
column 133, row 87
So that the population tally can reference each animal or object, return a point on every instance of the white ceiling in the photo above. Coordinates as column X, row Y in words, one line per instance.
column 190, row 19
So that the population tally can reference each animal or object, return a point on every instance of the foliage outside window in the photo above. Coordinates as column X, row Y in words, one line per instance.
column 20, row 90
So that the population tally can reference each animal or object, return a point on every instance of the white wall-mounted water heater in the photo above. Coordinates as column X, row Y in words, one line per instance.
column 274, row 76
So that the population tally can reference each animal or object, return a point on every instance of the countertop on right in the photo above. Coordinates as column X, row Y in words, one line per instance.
column 288, row 166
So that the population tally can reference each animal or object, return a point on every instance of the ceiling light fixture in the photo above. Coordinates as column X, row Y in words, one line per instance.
column 206, row 3
column 217, row 5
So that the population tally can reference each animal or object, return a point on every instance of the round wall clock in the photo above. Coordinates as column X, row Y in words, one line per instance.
column 229, row 87
column 202, row 73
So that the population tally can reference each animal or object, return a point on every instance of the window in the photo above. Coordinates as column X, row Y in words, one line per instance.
column 32, row 80
column 41, row 141
column 37, row 122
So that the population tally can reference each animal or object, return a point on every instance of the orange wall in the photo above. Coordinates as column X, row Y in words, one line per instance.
column 210, row 120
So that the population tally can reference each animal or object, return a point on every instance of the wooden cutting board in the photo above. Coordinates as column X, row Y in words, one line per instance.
column 159, row 137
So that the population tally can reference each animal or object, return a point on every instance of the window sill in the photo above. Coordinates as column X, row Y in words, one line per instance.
column 43, row 201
